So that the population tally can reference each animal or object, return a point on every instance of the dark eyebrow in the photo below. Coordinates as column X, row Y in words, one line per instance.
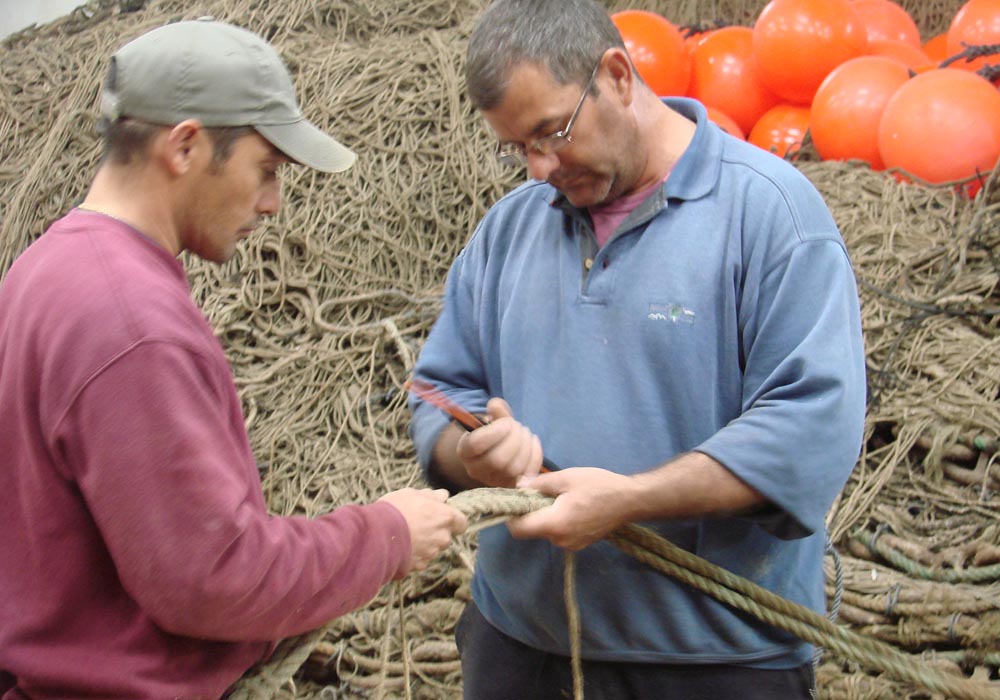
column 541, row 128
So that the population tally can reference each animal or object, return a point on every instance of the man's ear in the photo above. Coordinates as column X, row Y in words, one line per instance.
column 183, row 146
column 623, row 78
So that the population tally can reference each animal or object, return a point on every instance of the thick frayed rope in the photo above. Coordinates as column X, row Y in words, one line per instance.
column 656, row 552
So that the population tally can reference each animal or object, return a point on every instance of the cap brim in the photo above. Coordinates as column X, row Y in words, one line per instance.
column 305, row 144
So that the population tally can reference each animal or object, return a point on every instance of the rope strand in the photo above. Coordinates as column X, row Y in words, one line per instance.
column 737, row 592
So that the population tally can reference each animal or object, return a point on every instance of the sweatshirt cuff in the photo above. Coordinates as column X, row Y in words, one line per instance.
column 399, row 548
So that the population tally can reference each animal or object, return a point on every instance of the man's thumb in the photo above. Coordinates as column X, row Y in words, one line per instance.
column 498, row 408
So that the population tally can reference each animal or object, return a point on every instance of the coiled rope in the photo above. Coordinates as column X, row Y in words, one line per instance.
column 974, row 574
column 491, row 505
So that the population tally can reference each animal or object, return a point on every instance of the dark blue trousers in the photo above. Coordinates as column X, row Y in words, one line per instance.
column 497, row 667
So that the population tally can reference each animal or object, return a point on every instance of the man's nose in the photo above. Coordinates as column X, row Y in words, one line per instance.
column 270, row 199
column 541, row 165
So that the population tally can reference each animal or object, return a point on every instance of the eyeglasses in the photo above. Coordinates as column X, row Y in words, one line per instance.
column 516, row 154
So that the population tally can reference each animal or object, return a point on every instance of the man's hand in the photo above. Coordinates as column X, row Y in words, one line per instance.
column 590, row 504
column 501, row 452
column 431, row 521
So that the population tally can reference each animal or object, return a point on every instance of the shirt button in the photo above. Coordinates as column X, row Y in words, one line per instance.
column 588, row 263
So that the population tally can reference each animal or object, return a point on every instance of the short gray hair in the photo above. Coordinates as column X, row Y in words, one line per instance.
column 566, row 37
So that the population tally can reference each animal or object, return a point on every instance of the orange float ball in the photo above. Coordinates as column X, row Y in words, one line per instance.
column 937, row 47
column 885, row 19
column 725, row 122
column 723, row 76
column 694, row 38
column 796, row 43
column 657, row 50
column 848, row 106
column 781, row 129
column 942, row 125
column 977, row 22
column 914, row 58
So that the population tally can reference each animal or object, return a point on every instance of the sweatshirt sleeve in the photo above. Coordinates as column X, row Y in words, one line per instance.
column 452, row 356
column 155, row 442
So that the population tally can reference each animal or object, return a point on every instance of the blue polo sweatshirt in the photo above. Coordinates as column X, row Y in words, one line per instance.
column 721, row 317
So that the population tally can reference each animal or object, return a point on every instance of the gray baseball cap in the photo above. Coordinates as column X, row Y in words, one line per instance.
column 221, row 75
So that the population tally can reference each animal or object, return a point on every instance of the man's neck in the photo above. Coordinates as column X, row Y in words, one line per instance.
column 663, row 136
column 128, row 195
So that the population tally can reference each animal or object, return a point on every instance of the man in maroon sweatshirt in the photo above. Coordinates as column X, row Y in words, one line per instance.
column 138, row 559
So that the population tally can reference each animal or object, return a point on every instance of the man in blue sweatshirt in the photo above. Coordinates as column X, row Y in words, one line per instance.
column 671, row 313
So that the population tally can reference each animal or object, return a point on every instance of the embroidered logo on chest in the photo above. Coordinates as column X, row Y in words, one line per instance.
column 674, row 313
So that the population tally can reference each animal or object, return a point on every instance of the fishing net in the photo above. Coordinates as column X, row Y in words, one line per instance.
column 323, row 312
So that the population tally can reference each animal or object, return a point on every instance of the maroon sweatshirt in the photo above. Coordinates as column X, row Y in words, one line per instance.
column 137, row 557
